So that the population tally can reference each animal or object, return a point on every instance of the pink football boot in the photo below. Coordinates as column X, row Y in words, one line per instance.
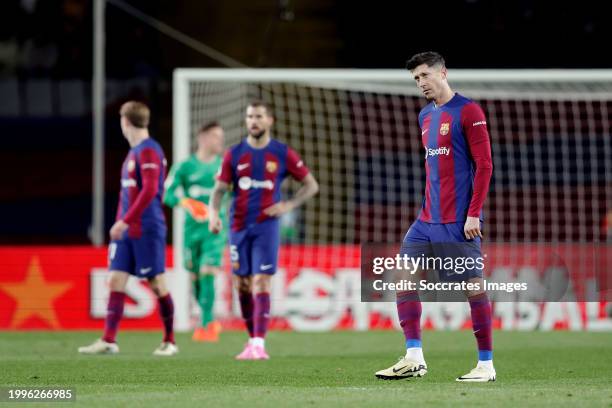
column 259, row 353
column 247, row 354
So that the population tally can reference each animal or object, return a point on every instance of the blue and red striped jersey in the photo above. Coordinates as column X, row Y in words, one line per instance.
column 142, row 187
column 256, row 176
column 458, row 160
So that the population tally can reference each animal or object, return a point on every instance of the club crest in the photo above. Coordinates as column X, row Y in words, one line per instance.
column 271, row 166
column 444, row 129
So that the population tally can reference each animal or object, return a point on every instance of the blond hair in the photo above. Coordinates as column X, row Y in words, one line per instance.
column 137, row 113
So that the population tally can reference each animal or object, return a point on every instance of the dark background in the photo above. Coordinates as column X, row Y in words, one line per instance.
column 46, row 71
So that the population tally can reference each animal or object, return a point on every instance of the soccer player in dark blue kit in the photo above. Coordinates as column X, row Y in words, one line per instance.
column 458, row 171
column 138, row 237
column 255, row 169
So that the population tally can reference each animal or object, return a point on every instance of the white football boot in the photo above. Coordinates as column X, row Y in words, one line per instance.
column 166, row 349
column 479, row 374
column 100, row 347
column 404, row 368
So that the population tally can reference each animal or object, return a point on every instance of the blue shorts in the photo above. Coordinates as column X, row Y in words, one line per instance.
column 143, row 257
column 444, row 241
column 254, row 249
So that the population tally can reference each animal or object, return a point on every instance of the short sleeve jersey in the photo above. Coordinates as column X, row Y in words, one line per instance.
column 256, row 176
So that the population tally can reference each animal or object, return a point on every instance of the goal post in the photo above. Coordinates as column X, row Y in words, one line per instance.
column 358, row 132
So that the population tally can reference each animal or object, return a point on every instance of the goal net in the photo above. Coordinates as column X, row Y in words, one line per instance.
column 357, row 130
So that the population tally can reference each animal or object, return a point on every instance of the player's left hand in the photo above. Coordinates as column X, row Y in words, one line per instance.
column 117, row 230
column 472, row 228
column 278, row 209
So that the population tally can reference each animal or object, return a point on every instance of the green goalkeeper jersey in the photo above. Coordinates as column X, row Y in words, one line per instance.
column 194, row 179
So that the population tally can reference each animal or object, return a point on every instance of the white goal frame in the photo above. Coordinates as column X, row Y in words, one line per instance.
column 181, row 137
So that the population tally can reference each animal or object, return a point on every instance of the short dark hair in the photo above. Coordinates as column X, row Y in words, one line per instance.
column 259, row 103
column 137, row 113
column 429, row 58
column 208, row 125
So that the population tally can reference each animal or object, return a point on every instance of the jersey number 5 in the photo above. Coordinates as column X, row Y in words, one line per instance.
column 233, row 253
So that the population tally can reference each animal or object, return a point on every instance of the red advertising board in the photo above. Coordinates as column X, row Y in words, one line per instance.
column 316, row 288
column 50, row 288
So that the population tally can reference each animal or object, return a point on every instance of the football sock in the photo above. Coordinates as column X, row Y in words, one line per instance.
column 481, row 322
column 261, row 314
column 206, row 297
column 246, row 307
column 114, row 312
column 415, row 354
column 258, row 341
column 166, row 311
column 485, row 364
column 196, row 289
column 409, row 313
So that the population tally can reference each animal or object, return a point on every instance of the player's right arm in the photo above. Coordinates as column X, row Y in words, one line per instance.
column 214, row 221
column 222, row 185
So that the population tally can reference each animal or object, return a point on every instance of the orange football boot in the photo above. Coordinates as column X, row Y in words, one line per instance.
column 199, row 334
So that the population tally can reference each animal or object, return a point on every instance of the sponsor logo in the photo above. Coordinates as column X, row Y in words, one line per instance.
column 266, row 267
column 146, row 270
column 436, row 152
column 242, row 166
column 149, row 166
column 247, row 183
column 199, row 191
column 131, row 165
column 127, row 183
column 482, row 122
column 271, row 166
column 195, row 176
column 424, row 131
column 299, row 164
column 444, row 129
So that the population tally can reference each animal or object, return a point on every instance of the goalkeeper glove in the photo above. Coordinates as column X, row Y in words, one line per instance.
column 197, row 209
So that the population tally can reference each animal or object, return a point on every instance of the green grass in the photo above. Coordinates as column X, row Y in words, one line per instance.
column 328, row 369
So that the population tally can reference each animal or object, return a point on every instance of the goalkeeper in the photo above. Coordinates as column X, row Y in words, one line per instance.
column 189, row 185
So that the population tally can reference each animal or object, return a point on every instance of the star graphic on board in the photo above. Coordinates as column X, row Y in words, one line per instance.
column 35, row 296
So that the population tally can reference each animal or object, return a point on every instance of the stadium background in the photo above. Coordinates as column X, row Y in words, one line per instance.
column 46, row 122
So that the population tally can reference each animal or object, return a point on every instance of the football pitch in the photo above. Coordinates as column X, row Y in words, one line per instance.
column 308, row 369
